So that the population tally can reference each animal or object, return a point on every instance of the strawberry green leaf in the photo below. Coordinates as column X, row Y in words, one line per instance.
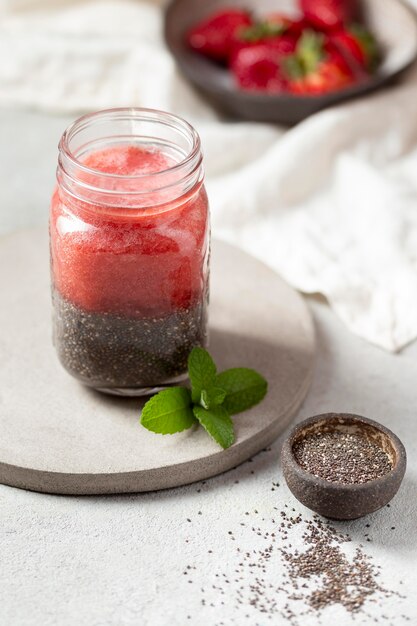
column 310, row 51
column 292, row 67
column 368, row 44
column 218, row 423
column 244, row 388
column 170, row 411
column 261, row 31
column 307, row 56
column 202, row 372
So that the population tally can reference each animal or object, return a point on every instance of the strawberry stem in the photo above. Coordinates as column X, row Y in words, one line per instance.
column 307, row 56
column 260, row 31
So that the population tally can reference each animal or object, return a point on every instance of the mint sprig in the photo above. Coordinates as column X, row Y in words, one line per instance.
column 212, row 400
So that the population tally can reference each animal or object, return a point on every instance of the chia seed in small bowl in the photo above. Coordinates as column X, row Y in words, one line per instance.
column 343, row 466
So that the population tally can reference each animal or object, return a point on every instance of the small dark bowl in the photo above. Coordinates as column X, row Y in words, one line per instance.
column 393, row 23
column 338, row 500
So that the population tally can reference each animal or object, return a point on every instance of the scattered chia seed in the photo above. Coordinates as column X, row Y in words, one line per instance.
column 325, row 570
column 342, row 457
column 107, row 351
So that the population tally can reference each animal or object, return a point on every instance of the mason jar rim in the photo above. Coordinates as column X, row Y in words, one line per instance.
column 124, row 113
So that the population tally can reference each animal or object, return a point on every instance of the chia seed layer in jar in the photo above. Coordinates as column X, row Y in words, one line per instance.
column 108, row 351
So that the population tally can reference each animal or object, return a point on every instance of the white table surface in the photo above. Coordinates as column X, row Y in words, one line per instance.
column 120, row 560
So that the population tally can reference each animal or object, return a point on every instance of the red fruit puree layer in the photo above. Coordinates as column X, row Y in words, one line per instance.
column 138, row 262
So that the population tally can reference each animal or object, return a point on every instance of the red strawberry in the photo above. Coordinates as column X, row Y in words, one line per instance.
column 358, row 45
column 286, row 44
column 328, row 77
column 214, row 36
column 270, row 33
column 258, row 68
column 328, row 15
column 316, row 68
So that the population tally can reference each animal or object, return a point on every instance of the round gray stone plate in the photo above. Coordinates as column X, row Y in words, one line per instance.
column 60, row 437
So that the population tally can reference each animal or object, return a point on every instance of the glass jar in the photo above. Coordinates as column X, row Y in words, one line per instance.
column 129, row 233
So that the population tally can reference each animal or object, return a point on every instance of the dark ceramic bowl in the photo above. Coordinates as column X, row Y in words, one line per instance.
column 393, row 23
column 338, row 500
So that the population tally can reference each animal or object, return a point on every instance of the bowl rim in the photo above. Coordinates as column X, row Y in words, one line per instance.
column 334, row 97
column 288, row 457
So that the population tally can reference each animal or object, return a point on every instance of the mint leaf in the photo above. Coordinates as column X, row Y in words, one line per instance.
column 170, row 411
column 218, row 423
column 205, row 400
column 244, row 388
column 213, row 396
column 202, row 372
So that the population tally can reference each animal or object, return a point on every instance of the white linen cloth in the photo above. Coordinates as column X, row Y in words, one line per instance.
column 331, row 204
